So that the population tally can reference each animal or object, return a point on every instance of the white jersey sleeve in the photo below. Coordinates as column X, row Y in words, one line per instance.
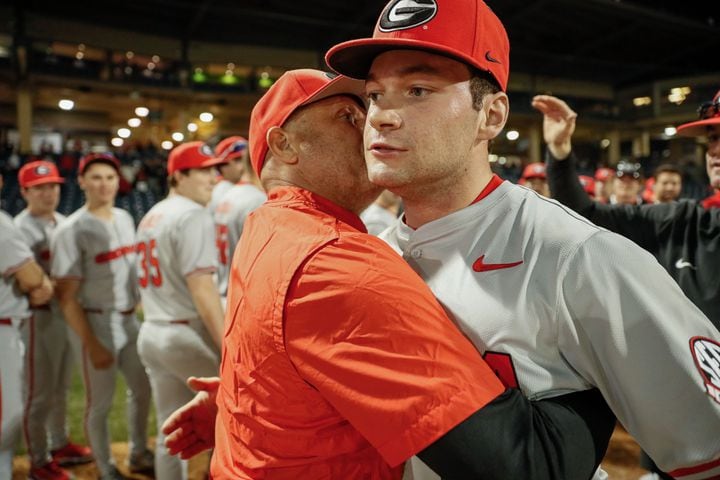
column 14, row 254
column 633, row 333
column 230, row 216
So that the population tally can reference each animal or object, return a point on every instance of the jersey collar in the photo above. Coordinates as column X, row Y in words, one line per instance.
column 287, row 194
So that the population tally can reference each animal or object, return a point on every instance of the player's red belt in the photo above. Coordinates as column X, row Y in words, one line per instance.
column 6, row 321
column 41, row 307
column 100, row 310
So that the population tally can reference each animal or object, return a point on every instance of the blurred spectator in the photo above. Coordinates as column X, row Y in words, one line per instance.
column 604, row 178
column 588, row 184
column 628, row 184
column 534, row 178
column 668, row 183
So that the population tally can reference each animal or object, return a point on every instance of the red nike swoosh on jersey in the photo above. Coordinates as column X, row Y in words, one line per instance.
column 481, row 266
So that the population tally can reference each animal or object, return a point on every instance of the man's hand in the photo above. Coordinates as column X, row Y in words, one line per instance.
column 558, row 124
column 42, row 294
column 191, row 428
column 100, row 356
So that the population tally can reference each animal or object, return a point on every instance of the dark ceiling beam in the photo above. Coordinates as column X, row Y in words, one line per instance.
column 659, row 63
column 638, row 12
column 606, row 37
column 522, row 13
column 198, row 17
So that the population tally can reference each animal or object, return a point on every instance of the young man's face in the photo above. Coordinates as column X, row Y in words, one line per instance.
column 197, row 184
column 421, row 125
column 234, row 169
column 100, row 182
column 667, row 187
column 626, row 190
column 712, row 157
column 539, row 185
column 42, row 199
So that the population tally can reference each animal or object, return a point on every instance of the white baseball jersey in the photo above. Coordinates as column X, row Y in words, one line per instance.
column 14, row 254
column 218, row 193
column 557, row 304
column 377, row 219
column 175, row 239
column 230, row 215
column 100, row 253
column 37, row 234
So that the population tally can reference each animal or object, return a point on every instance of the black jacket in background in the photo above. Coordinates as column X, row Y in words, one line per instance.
column 683, row 236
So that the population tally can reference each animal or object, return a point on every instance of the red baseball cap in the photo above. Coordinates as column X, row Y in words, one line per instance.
column 709, row 115
column 294, row 89
column 465, row 30
column 534, row 170
column 603, row 174
column 230, row 148
column 191, row 155
column 38, row 173
column 91, row 158
column 588, row 184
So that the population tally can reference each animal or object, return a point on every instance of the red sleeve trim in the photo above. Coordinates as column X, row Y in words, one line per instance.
column 684, row 472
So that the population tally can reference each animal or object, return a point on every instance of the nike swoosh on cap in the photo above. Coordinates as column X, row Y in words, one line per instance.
column 481, row 266
column 490, row 58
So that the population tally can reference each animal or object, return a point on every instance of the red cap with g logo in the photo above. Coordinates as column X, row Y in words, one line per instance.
column 38, row 173
column 466, row 30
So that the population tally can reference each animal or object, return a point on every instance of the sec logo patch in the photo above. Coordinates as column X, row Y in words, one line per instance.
column 706, row 354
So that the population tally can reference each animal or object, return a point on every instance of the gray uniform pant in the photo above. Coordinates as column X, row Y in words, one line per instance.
column 11, row 354
column 48, row 370
column 172, row 352
column 117, row 332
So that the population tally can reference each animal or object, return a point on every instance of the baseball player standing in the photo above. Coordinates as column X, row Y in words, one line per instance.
column 177, row 259
column 22, row 283
column 48, row 355
column 555, row 303
column 230, row 214
column 92, row 257
column 231, row 152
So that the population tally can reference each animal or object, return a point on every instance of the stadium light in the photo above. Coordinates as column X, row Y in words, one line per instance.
column 206, row 117
column 167, row 145
column 142, row 111
column 192, row 127
column 512, row 135
column 134, row 122
column 66, row 104
column 124, row 133
column 117, row 142
column 178, row 137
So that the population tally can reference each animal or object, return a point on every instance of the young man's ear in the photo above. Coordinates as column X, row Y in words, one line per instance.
column 493, row 116
column 279, row 144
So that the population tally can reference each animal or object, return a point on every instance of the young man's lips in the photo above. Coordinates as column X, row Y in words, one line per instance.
column 384, row 148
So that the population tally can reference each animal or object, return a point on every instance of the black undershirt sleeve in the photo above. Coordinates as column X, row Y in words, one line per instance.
column 563, row 438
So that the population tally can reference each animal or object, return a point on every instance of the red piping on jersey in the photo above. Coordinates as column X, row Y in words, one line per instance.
column 115, row 254
column 88, row 394
column 494, row 183
column 31, row 387
column 682, row 472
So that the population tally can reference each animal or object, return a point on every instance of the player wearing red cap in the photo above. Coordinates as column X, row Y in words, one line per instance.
column 22, row 284
column 534, row 178
column 554, row 303
column 92, row 256
column 684, row 237
column 232, row 203
column 177, row 261
column 231, row 153
column 325, row 375
column 48, row 355
column 603, row 184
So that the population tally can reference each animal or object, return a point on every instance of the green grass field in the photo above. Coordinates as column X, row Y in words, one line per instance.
column 118, row 421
